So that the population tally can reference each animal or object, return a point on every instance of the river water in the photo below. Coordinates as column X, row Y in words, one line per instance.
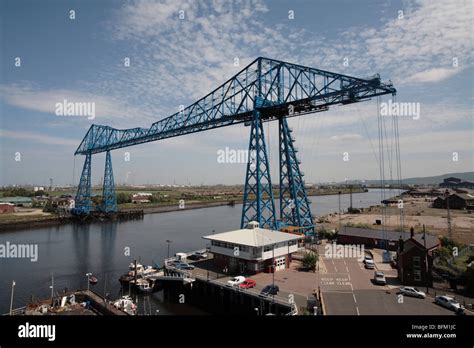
column 70, row 251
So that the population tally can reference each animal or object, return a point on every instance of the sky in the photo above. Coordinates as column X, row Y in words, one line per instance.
column 181, row 50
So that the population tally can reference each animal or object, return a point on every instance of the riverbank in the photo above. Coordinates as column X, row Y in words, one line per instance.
column 28, row 220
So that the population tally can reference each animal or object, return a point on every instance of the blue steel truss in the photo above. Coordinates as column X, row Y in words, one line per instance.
column 109, row 200
column 294, row 204
column 263, row 91
column 279, row 84
column 82, row 202
column 258, row 204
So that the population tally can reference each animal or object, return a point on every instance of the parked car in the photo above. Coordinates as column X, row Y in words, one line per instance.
column 270, row 290
column 183, row 265
column 369, row 264
column 236, row 281
column 366, row 258
column 449, row 302
column 247, row 284
column 413, row 292
column 379, row 278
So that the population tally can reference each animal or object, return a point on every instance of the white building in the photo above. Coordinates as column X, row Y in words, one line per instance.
column 253, row 249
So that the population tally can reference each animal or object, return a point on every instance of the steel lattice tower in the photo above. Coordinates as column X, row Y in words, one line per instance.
column 109, row 200
column 294, row 203
column 82, row 202
column 258, row 204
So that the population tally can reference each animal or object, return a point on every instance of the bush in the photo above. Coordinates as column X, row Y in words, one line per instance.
column 123, row 198
column 309, row 260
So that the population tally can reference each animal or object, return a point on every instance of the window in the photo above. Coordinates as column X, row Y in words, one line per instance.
column 268, row 248
column 416, row 262
column 417, row 276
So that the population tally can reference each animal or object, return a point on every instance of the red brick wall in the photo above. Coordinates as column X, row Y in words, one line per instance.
column 7, row 208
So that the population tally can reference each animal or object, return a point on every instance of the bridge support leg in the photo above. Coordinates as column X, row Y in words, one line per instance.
column 258, row 204
column 83, row 203
column 294, row 204
column 109, row 199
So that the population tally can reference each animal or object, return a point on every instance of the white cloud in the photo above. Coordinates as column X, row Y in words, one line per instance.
column 38, row 138
column 346, row 137
column 108, row 110
column 434, row 75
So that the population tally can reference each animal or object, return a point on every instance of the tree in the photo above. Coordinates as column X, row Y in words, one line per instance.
column 123, row 198
column 309, row 260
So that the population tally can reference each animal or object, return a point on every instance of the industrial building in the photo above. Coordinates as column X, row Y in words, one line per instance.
column 456, row 201
column 7, row 208
column 253, row 249
column 380, row 239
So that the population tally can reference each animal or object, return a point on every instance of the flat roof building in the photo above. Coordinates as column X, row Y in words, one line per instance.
column 253, row 249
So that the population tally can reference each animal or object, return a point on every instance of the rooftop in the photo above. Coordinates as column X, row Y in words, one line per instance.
column 253, row 236
column 431, row 241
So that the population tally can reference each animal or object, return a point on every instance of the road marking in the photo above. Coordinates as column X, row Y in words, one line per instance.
column 357, row 309
column 347, row 269
column 353, row 295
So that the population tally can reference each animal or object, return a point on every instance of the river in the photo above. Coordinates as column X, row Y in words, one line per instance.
column 70, row 251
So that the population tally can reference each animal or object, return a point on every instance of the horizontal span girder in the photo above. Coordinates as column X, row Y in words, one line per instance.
column 275, row 88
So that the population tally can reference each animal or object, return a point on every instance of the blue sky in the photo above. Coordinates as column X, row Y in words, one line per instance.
column 175, row 61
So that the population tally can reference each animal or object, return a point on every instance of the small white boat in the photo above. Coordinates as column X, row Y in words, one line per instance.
column 126, row 304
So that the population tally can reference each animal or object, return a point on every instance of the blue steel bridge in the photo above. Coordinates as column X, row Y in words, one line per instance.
column 265, row 90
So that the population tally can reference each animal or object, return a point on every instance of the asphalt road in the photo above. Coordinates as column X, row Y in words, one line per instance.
column 348, row 289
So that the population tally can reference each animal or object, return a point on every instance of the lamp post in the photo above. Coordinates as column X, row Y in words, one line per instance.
column 169, row 242
column 52, row 288
column 11, row 299
column 88, row 278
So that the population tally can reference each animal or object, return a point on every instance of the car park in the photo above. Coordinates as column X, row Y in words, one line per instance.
column 235, row 281
column 449, row 302
column 379, row 278
column 412, row 292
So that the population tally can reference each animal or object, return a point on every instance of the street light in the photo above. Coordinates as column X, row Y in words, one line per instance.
column 256, row 310
column 169, row 242
column 11, row 300
column 88, row 278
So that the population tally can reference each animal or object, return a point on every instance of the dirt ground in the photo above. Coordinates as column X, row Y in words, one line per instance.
column 416, row 212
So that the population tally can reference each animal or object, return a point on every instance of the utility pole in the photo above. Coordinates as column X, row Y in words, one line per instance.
column 11, row 299
column 426, row 257
column 339, row 204
column 446, row 193
column 350, row 204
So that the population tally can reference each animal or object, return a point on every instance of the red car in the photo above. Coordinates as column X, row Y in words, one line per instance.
column 247, row 284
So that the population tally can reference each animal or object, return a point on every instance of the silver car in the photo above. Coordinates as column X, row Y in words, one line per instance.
column 412, row 292
column 448, row 302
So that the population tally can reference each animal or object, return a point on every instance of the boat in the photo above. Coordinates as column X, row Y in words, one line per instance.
column 93, row 280
column 126, row 304
column 144, row 285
